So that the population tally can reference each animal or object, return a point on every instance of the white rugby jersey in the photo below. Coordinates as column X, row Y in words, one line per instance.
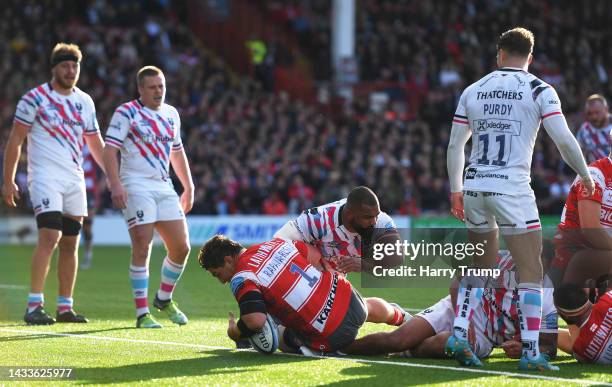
column 322, row 227
column 499, row 303
column 504, row 110
column 145, row 137
column 57, row 126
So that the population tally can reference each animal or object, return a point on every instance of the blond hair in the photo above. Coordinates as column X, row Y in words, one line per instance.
column 147, row 71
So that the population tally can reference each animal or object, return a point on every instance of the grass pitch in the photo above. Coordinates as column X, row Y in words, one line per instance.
column 111, row 350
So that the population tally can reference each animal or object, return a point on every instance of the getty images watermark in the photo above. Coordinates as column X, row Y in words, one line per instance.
column 430, row 258
column 411, row 251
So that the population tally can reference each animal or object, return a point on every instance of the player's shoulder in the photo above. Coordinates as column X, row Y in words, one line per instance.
column 604, row 303
column 84, row 98
column 600, row 169
column 385, row 221
column 35, row 95
column 166, row 107
column 539, row 87
column 128, row 109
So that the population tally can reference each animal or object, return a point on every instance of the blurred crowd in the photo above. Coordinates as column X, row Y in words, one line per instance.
column 253, row 151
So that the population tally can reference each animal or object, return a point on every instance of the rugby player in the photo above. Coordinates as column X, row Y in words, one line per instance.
column 318, row 309
column 502, row 113
column 495, row 324
column 344, row 232
column 147, row 132
column 590, row 324
column 57, row 118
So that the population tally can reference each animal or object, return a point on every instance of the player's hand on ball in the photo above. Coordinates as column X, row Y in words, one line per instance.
column 589, row 186
column 10, row 193
column 232, row 329
column 456, row 199
column 348, row 264
column 118, row 196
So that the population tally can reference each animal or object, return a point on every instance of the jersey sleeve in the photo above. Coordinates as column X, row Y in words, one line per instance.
column 307, row 226
column 91, row 122
column 177, row 144
column 460, row 117
column 548, row 101
column 302, row 247
column 600, row 183
column 244, row 282
column 118, row 128
column 27, row 109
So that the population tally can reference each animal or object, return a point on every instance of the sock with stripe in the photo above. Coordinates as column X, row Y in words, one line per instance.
column 34, row 301
column 170, row 274
column 64, row 304
column 398, row 317
column 530, row 314
column 469, row 297
column 139, row 278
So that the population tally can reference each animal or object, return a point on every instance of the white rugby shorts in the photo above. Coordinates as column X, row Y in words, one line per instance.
column 512, row 214
column 65, row 196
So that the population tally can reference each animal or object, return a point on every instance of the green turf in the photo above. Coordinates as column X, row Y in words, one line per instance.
column 103, row 294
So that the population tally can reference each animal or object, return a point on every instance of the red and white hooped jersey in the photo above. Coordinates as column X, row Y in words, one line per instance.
column 146, row 137
column 311, row 302
column 57, row 126
column 601, row 172
column 594, row 343
column 499, row 303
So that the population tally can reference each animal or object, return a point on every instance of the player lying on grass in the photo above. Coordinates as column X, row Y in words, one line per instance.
column 320, row 309
column 495, row 323
column 589, row 333
column 340, row 230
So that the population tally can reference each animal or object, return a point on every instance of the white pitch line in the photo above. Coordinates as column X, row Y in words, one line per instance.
column 356, row 360
column 12, row 287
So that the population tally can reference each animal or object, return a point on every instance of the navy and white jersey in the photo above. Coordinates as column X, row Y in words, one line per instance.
column 57, row 125
column 504, row 110
column 145, row 137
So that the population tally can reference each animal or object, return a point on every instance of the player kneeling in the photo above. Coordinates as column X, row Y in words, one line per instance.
column 319, row 309
column 589, row 337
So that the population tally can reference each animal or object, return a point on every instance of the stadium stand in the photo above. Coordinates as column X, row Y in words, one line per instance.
column 254, row 151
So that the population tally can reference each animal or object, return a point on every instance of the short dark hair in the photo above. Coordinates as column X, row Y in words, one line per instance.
column 214, row 251
column 361, row 196
column 517, row 41
column 147, row 71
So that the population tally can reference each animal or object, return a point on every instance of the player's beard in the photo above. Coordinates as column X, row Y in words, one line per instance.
column 67, row 83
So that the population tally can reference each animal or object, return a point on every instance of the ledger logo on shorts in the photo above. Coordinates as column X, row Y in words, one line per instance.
column 45, row 202
column 140, row 215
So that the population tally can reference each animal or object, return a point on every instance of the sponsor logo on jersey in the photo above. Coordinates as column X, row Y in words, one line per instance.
column 499, row 94
column 498, row 125
column 151, row 138
column 321, row 319
column 470, row 173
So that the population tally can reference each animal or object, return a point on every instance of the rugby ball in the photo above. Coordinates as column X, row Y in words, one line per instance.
column 266, row 340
